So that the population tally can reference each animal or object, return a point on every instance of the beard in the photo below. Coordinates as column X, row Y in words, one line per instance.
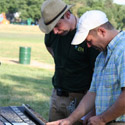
column 98, row 48
column 64, row 33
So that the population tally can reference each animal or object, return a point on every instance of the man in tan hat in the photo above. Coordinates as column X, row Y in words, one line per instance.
column 73, row 64
column 107, row 90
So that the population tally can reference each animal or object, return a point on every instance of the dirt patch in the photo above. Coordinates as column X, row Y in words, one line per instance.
column 33, row 63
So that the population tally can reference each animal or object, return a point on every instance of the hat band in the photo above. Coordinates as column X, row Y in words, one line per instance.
column 56, row 16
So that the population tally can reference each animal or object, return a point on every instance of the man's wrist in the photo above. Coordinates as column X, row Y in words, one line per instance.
column 71, row 119
column 102, row 119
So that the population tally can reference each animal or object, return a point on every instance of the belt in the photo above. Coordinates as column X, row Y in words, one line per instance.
column 61, row 92
column 115, row 123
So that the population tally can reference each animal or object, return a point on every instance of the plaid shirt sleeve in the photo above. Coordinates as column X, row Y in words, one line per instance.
column 95, row 75
column 121, row 68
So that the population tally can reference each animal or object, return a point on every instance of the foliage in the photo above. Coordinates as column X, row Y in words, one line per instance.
column 27, row 8
column 31, row 9
column 114, row 12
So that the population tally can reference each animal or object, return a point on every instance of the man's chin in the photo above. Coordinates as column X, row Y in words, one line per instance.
column 64, row 33
column 97, row 48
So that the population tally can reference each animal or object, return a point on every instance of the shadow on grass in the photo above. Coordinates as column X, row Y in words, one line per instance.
column 17, row 62
column 39, row 85
column 20, row 90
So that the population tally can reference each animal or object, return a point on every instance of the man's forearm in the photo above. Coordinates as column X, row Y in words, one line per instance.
column 116, row 110
column 86, row 105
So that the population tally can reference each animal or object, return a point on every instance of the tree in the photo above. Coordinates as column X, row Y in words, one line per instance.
column 4, row 4
column 114, row 12
column 32, row 9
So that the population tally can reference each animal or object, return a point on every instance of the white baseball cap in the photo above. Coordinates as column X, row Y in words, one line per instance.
column 88, row 21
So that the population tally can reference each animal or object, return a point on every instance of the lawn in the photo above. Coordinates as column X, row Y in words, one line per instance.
column 24, row 83
column 12, row 37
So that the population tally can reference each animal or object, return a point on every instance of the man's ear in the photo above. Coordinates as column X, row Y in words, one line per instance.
column 101, row 31
column 67, row 14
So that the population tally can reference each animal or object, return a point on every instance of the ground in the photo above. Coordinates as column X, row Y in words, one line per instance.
column 33, row 63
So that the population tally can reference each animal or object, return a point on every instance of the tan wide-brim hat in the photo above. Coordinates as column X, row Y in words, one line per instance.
column 52, row 11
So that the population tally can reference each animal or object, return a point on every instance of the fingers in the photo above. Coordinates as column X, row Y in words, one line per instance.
column 54, row 123
column 85, row 122
column 60, row 122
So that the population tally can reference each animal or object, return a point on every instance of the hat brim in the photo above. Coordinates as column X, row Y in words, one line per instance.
column 79, row 37
column 48, row 28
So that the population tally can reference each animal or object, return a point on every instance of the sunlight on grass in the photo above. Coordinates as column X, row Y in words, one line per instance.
column 20, row 29
column 24, row 84
column 11, row 39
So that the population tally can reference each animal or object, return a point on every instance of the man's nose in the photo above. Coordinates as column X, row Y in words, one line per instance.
column 89, row 45
column 55, row 30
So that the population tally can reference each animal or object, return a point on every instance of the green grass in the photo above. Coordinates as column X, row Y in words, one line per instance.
column 10, row 49
column 21, row 37
column 12, row 40
column 23, row 83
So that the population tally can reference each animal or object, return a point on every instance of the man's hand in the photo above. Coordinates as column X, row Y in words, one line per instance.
column 88, row 116
column 60, row 122
column 85, row 119
column 96, row 120
column 1, row 123
column 54, row 123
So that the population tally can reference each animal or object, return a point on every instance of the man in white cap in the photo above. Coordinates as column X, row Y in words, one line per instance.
column 107, row 90
column 73, row 64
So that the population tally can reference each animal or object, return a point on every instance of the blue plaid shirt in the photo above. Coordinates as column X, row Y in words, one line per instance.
column 109, row 75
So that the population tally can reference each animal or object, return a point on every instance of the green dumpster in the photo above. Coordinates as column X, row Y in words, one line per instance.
column 24, row 55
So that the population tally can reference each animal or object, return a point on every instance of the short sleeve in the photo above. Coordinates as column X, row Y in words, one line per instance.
column 49, row 39
column 93, row 84
column 121, row 68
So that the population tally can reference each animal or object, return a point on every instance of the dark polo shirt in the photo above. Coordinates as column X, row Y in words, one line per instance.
column 73, row 63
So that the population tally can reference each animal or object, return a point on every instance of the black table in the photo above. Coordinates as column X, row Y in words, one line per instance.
column 20, row 115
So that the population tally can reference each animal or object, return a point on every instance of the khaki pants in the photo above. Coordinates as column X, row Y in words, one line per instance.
column 61, row 107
